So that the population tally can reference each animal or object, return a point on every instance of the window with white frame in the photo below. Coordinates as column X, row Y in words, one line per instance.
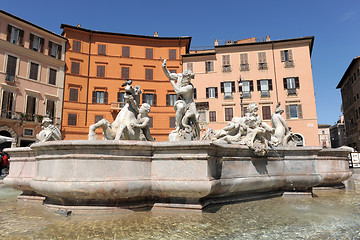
column 11, row 65
column 54, row 50
column 50, row 108
column 30, row 105
column 211, row 92
column 15, row 35
column 36, row 43
column 52, row 76
column 209, row 66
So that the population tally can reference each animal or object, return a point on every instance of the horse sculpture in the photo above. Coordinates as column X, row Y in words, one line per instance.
column 123, row 126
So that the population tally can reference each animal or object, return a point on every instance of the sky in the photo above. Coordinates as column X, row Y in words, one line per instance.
column 333, row 23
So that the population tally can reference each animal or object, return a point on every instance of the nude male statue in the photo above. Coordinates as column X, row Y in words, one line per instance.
column 186, row 114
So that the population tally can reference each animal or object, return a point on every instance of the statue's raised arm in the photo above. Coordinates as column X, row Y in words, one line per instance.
column 169, row 75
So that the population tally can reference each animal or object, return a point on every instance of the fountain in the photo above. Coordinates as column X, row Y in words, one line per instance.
column 246, row 160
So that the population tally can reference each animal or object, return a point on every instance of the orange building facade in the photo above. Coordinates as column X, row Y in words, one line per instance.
column 270, row 72
column 98, row 63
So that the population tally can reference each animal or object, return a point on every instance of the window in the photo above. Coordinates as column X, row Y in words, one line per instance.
column 52, row 76
column 100, row 71
column 246, row 88
column 98, row 118
column 34, row 71
column 172, row 54
column 287, row 58
column 264, row 86
column 100, row 97
column 170, row 99
column 212, row 116
column 291, row 84
column 54, row 50
column 74, row 95
column 102, row 49
column 7, row 104
column 226, row 67
column 36, row 43
column 121, row 99
column 30, row 105
column 76, row 46
column 149, row 74
column 72, row 119
column 228, row 114
column 126, row 51
column 227, row 88
column 50, row 108
column 149, row 53
column 202, row 116
column 244, row 63
column 75, row 67
column 266, row 112
column 294, row 111
column 11, row 68
column 125, row 72
column 149, row 98
column 189, row 66
column 28, row 132
column 172, row 70
column 209, row 66
column 172, row 122
column 262, row 61
column 211, row 92
column 15, row 35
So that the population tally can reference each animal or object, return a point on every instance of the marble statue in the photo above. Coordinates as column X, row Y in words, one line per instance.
column 129, row 120
column 253, row 132
column 186, row 116
column 282, row 135
column 49, row 132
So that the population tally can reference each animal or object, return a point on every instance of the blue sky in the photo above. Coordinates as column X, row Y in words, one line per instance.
column 334, row 24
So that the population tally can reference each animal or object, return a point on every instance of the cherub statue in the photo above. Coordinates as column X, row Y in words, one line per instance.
column 49, row 132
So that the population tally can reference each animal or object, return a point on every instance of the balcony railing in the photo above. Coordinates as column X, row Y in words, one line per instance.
column 226, row 68
column 246, row 94
column 265, row 94
column 263, row 66
column 244, row 67
column 117, row 105
column 291, row 91
column 19, row 116
column 289, row 64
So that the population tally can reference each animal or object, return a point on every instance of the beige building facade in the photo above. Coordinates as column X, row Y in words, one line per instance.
column 238, row 73
column 350, row 91
column 32, row 71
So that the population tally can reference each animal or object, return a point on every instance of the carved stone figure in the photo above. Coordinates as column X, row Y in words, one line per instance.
column 126, row 125
column 143, row 121
column 49, row 132
column 186, row 118
column 282, row 135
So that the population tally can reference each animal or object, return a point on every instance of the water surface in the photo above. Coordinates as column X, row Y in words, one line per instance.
column 334, row 214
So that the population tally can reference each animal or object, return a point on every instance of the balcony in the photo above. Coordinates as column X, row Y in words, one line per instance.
column 117, row 106
column 246, row 94
column 291, row 91
column 226, row 68
column 289, row 64
column 263, row 66
column 265, row 94
column 19, row 116
column 244, row 67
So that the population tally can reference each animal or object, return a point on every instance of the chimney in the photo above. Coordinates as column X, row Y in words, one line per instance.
column 156, row 34
column 216, row 42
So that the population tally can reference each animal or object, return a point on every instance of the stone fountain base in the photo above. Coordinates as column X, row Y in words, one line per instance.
column 134, row 175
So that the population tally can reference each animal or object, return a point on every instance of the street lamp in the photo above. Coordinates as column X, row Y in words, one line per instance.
column 241, row 96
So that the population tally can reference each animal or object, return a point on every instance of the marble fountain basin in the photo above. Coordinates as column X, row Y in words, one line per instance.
column 154, row 175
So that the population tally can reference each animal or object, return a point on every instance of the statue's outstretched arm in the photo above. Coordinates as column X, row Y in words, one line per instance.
column 169, row 75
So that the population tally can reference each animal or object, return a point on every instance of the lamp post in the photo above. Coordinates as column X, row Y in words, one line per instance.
column 241, row 96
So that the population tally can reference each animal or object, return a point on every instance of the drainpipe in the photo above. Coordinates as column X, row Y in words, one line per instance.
column 88, row 80
column 275, row 80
